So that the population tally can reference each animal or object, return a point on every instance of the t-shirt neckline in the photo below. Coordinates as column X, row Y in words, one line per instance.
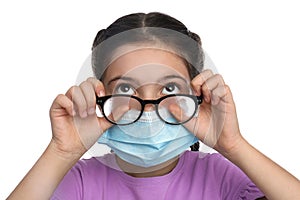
column 155, row 179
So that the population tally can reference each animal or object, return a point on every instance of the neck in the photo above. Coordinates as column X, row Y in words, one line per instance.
column 144, row 172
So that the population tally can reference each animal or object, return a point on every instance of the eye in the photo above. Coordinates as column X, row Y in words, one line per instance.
column 171, row 88
column 124, row 88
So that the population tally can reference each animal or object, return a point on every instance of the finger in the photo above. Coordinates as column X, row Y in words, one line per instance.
column 177, row 112
column 221, row 96
column 217, row 94
column 77, row 97
column 62, row 102
column 199, row 80
column 98, row 86
column 210, row 84
column 116, row 114
column 227, row 97
column 104, row 124
column 89, row 95
column 113, row 116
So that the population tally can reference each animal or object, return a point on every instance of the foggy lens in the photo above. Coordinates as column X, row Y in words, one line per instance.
column 122, row 109
column 177, row 109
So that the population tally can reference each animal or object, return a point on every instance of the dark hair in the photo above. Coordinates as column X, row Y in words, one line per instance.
column 151, row 25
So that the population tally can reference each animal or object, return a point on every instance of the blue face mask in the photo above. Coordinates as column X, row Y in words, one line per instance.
column 147, row 142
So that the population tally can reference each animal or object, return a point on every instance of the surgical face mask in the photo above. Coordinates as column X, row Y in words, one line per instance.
column 149, row 141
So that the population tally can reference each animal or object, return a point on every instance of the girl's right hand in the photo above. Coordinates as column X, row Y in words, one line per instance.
column 75, row 125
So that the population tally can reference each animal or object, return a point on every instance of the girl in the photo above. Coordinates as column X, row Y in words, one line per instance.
column 156, row 101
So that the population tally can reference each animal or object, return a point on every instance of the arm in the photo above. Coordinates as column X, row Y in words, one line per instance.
column 41, row 181
column 217, row 126
column 270, row 178
column 70, row 116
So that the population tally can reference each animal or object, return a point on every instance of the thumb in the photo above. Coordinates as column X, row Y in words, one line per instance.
column 177, row 112
column 104, row 124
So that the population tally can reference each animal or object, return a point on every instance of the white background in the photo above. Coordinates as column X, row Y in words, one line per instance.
column 254, row 44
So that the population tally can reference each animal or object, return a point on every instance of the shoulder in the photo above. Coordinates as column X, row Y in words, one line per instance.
column 95, row 165
column 216, row 171
column 213, row 165
column 213, row 161
column 87, row 164
column 83, row 178
column 209, row 166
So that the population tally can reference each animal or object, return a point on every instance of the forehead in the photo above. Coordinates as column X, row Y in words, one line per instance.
column 147, row 64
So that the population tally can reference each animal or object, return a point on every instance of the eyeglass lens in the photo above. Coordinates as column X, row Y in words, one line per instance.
column 125, row 110
column 184, row 106
column 117, row 108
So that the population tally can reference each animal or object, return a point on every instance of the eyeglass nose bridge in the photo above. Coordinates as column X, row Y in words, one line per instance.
column 151, row 101
column 147, row 102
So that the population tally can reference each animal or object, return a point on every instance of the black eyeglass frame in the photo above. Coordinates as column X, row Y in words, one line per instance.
column 101, row 101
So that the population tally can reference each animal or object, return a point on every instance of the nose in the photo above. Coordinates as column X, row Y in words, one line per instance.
column 149, row 107
column 148, row 92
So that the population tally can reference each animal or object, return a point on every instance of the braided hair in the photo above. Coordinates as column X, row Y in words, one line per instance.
column 147, row 21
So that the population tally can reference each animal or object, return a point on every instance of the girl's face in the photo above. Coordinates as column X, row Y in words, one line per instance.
column 147, row 73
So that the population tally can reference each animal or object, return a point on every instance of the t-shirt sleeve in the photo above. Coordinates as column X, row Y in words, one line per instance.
column 249, row 191
column 70, row 188
column 234, row 182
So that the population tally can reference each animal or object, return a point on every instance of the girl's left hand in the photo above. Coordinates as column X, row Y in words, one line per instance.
column 217, row 123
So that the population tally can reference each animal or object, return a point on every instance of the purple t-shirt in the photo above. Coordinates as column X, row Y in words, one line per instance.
column 196, row 176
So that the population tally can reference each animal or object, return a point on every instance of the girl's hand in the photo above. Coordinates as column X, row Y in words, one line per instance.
column 217, row 123
column 75, row 125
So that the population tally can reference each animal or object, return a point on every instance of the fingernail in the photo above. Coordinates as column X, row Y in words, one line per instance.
column 101, row 93
column 206, row 99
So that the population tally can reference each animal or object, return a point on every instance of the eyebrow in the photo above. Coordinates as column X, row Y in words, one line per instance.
column 173, row 76
column 129, row 79
column 125, row 78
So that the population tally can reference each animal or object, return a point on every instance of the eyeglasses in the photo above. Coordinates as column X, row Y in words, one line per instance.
column 120, row 109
